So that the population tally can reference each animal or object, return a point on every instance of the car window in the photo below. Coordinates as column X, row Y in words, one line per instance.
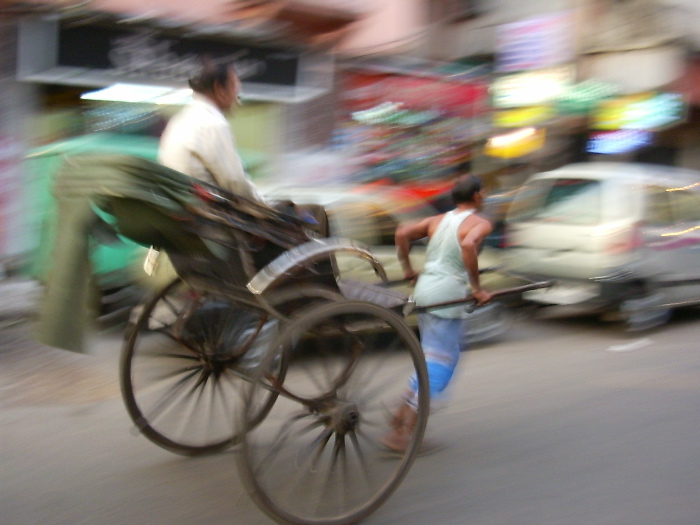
column 566, row 201
column 685, row 205
column 658, row 206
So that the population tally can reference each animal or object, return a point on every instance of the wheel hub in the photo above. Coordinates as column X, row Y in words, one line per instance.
column 213, row 364
column 345, row 417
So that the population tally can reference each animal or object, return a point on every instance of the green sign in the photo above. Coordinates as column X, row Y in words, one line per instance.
column 584, row 96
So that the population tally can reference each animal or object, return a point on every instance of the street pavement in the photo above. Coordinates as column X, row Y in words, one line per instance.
column 18, row 298
column 559, row 422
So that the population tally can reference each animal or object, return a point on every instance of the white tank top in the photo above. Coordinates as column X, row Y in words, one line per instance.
column 444, row 277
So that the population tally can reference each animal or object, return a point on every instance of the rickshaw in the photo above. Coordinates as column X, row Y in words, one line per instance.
column 262, row 343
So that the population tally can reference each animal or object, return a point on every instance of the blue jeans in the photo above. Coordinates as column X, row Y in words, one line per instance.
column 442, row 341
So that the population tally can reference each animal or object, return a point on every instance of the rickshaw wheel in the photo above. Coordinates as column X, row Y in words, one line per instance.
column 182, row 368
column 316, row 456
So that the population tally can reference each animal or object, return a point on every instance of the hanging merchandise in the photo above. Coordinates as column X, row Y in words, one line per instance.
column 384, row 113
column 407, row 129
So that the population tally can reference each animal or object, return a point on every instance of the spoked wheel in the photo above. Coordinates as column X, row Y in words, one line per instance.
column 316, row 457
column 184, row 362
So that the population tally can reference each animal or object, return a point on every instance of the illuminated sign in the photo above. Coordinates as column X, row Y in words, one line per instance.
column 531, row 88
column 648, row 111
column 535, row 43
column 581, row 98
column 515, row 143
column 615, row 142
column 515, row 118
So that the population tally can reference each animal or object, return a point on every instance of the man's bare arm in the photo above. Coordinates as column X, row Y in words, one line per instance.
column 405, row 234
column 470, row 244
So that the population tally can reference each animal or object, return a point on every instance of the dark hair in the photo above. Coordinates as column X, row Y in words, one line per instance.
column 210, row 74
column 465, row 188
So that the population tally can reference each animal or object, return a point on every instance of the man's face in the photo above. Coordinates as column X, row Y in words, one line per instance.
column 479, row 200
column 226, row 96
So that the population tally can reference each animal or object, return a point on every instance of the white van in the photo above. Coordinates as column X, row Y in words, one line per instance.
column 616, row 237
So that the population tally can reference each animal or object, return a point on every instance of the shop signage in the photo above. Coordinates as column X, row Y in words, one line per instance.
column 534, row 43
column 532, row 87
column 515, row 118
column 146, row 54
column 516, row 143
column 583, row 97
column 463, row 99
column 99, row 56
column 617, row 142
column 647, row 111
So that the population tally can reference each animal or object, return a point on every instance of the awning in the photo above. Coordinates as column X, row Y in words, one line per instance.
column 288, row 22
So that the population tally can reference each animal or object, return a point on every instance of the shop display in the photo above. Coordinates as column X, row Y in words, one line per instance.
column 404, row 129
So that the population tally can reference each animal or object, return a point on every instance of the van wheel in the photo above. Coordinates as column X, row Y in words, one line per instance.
column 645, row 313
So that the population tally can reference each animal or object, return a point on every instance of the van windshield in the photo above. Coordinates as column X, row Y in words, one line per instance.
column 566, row 201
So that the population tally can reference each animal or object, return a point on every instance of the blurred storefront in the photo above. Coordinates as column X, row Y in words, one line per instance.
column 628, row 127
column 638, row 47
column 411, row 125
column 534, row 69
column 142, row 67
column 284, row 51
column 83, row 68
column 601, row 91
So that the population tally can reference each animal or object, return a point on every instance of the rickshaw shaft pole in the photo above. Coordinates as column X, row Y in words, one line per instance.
column 399, row 282
column 470, row 298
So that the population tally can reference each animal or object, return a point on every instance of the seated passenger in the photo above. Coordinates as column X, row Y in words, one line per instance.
column 198, row 141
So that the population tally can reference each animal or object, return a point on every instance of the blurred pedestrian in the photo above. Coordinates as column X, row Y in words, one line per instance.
column 198, row 141
column 451, row 272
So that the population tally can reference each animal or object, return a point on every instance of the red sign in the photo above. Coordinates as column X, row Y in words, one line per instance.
column 363, row 91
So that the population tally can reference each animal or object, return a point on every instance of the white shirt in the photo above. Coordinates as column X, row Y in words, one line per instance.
column 198, row 142
column 444, row 277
